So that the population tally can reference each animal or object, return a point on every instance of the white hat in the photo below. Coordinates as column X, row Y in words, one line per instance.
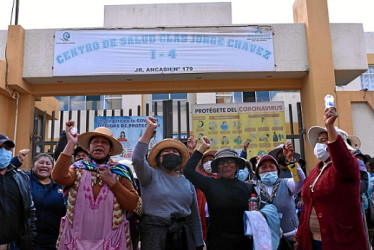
column 354, row 141
column 315, row 131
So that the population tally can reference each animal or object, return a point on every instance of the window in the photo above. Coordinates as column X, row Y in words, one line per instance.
column 77, row 102
column 249, row 96
column 93, row 102
column 367, row 79
column 67, row 103
column 158, row 98
column 262, row 96
column 229, row 97
column 112, row 102
column 257, row 96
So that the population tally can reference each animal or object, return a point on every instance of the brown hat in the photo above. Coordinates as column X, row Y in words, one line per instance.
column 85, row 138
column 168, row 143
column 209, row 153
column 265, row 158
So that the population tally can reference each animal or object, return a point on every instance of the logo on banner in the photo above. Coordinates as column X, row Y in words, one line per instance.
column 65, row 37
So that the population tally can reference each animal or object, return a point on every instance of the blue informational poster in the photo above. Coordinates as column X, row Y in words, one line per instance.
column 127, row 130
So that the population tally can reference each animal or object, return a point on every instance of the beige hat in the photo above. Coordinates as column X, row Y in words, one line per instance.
column 84, row 139
column 168, row 143
column 354, row 141
column 314, row 132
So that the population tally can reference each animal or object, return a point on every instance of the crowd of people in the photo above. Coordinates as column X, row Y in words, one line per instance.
column 184, row 197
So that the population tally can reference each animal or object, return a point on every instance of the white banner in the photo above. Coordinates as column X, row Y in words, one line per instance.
column 137, row 52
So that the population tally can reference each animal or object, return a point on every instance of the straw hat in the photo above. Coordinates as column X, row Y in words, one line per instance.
column 314, row 132
column 168, row 143
column 84, row 139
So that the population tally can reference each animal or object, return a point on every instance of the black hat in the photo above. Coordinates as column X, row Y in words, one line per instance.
column 5, row 139
column 79, row 149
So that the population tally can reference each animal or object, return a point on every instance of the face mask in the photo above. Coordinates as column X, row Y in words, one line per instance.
column 320, row 151
column 269, row 178
column 5, row 157
column 171, row 161
column 207, row 166
column 242, row 174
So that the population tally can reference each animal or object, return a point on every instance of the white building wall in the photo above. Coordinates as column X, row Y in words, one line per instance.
column 363, row 120
column 174, row 14
column 369, row 42
column 205, row 98
column 3, row 38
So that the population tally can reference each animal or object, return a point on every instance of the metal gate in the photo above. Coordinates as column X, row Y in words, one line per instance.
column 45, row 134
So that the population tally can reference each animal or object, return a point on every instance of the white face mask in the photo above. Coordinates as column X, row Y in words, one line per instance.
column 320, row 151
column 207, row 166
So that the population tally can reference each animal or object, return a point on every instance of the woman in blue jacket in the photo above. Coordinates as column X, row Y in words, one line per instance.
column 48, row 199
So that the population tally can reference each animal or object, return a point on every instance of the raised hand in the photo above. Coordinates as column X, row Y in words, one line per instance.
column 191, row 143
column 205, row 144
column 70, row 135
column 330, row 116
column 22, row 154
column 151, row 122
column 288, row 151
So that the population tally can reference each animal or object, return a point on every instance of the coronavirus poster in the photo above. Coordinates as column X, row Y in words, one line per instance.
column 230, row 125
column 127, row 130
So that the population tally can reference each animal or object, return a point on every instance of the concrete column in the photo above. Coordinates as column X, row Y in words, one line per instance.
column 20, row 113
column 320, row 80
column 25, row 125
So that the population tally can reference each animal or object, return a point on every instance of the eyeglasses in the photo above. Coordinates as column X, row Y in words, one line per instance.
column 225, row 161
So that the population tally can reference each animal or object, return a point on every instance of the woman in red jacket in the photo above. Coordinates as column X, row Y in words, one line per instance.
column 331, row 217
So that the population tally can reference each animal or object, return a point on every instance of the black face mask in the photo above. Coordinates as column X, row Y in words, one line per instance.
column 171, row 161
column 282, row 160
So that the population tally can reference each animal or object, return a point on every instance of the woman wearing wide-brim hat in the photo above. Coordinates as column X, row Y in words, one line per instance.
column 227, row 197
column 99, row 193
column 170, row 215
column 331, row 217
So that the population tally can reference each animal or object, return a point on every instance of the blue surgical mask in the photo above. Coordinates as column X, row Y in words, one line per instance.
column 269, row 178
column 5, row 157
column 242, row 174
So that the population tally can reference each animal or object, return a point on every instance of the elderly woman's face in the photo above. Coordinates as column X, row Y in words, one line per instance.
column 227, row 167
column 267, row 166
column 99, row 147
column 43, row 167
